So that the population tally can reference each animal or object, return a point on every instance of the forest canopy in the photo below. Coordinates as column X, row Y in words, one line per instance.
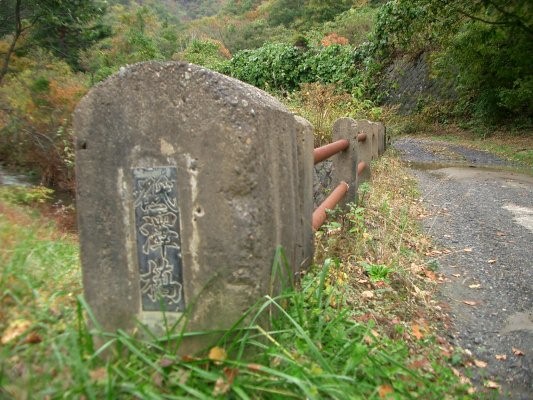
column 53, row 51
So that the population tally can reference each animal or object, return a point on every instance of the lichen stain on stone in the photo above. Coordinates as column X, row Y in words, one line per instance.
column 166, row 148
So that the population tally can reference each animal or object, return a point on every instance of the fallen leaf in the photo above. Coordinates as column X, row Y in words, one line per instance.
column 468, row 249
column 166, row 362
column 491, row 261
column 491, row 385
column 470, row 302
column 15, row 329
column 362, row 281
column 157, row 379
column 33, row 338
column 416, row 331
column 217, row 354
column 517, row 352
column 480, row 364
column 475, row 286
column 221, row 387
column 501, row 357
column 471, row 390
column 99, row 374
column 430, row 274
column 385, row 390
column 230, row 373
column 367, row 294
column 456, row 275
column 255, row 367
column 180, row 375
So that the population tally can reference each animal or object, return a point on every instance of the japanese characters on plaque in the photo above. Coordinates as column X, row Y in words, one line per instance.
column 158, row 239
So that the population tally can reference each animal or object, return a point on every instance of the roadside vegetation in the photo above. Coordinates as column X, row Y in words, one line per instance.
column 363, row 322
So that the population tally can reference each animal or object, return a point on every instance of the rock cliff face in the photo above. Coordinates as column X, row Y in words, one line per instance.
column 409, row 83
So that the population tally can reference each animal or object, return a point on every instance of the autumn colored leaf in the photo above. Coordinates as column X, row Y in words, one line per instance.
column 430, row 275
column 385, row 390
column 217, row 354
column 480, row 364
column 221, row 387
column 491, row 261
column 33, row 338
column 470, row 302
column 416, row 331
column 255, row 367
column 15, row 329
column 166, row 362
column 99, row 374
column 491, row 385
column 230, row 373
column 517, row 352
column 468, row 249
column 501, row 357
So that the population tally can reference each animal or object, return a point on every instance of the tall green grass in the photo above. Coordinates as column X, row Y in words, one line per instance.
column 301, row 344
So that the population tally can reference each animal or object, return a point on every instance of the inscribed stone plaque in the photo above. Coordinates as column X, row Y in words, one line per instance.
column 158, row 239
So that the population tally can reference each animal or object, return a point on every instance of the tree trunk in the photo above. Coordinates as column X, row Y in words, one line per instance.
column 16, row 35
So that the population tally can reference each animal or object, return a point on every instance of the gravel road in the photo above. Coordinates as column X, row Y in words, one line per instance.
column 484, row 217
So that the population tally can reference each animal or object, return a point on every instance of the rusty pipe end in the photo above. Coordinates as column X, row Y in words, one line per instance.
column 361, row 167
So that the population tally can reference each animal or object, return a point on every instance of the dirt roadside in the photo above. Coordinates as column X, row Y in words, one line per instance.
column 481, row 210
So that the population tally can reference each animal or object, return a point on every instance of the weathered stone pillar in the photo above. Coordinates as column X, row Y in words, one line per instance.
column 381, row 138
column 364, row 134
column 345, row 162
column 188, row 181
column 305, row 154
column 374, row 129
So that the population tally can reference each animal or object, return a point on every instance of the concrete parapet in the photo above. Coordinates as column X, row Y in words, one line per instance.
column 345, row 162
column 188, row 182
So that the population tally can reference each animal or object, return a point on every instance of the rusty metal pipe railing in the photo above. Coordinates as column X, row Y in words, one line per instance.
column 319, row 215
column 324, row 152
column 361, row 167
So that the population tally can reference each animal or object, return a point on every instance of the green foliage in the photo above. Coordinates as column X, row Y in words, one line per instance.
column 138, row 36
column 314, row 348
column 377, row 272
column 35, row 119
column 206, row 53
column 283, row 67
column 274, row 66
column 484, row 48
column 25, row 195
column 62, row 27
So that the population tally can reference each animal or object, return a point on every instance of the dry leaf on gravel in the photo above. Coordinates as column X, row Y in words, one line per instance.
column 517, row 352
column 15, row 329
column 416, row 331
column 385, row 390
column 475, row 286
column 456, row 275
column 470, row 302
column 491, row 385
column 501, row 357
column 491, row 261
column 480, row 364
column 468, row 249
column 367, row 294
